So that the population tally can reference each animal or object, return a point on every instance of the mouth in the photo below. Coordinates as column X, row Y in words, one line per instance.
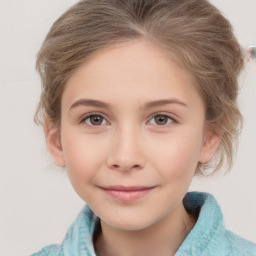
column 127, row 194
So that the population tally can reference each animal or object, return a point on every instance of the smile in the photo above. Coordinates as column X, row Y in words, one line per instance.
column 127, row 194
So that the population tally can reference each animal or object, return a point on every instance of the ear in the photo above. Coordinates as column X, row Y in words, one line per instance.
column 210, row 146
column 53, row 140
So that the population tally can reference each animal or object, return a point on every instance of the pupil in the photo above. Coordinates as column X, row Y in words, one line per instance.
column 161, row 120
column 96, row 120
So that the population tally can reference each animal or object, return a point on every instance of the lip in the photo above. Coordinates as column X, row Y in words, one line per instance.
column 127, row 193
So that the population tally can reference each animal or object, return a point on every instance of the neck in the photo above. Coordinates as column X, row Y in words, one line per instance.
column 162, row 238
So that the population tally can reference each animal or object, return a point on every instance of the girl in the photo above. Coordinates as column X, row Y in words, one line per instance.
column 138, row 97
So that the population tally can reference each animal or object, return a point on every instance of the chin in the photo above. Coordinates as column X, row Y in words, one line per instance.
column 130, row 226
column 131, row 222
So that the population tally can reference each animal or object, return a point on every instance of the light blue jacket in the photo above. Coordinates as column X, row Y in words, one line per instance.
column 208, row 237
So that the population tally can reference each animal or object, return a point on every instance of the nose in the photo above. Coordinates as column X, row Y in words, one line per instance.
column 126, row 153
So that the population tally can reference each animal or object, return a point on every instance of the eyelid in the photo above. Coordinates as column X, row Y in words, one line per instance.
column 169, row 115
column 87, row 115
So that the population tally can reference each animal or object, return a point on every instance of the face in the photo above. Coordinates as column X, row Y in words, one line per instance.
column 132, row 133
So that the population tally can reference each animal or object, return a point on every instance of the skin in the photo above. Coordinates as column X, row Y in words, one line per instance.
column 129, row 145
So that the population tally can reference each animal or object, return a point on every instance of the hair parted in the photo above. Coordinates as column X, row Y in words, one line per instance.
column 193, row 31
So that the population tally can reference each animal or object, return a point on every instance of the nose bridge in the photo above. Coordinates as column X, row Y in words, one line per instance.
column 126, row 150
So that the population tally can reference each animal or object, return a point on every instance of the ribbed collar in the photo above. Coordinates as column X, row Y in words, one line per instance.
column 206, row 232
column 209, row 228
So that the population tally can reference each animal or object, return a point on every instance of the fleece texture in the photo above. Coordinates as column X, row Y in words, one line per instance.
column 207, row 238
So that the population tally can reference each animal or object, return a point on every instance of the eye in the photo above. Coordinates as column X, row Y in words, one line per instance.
column 94, row 120
column 161, row 120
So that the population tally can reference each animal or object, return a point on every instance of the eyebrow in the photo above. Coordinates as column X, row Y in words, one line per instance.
column 158, row 103
column 100, row 104
column 90, row 102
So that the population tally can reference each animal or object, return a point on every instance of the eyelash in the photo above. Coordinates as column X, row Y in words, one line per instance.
column 170, row 119
column 84, row 118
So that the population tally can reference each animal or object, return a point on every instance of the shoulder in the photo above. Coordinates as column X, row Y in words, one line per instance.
column 50, row 250
column 78, row 239
column 239, row 246
column 209, row 235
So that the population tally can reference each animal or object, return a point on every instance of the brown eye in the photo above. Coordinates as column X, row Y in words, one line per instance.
column 160, row 120
column 95, row 120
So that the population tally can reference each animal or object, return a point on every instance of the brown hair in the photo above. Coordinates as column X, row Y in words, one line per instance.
column 193, row 30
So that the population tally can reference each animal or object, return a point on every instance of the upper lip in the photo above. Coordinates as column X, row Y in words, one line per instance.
column 127, row 188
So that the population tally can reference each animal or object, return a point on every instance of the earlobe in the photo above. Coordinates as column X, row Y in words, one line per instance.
column 210, row 146
column 52, row 135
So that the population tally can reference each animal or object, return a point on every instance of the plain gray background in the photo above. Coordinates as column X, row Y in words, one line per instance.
column 37, row 202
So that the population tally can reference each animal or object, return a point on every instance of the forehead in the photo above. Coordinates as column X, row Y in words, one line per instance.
column 136, row 70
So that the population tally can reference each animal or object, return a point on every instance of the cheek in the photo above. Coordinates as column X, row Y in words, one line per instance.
column 177, row 158
column 84, row 156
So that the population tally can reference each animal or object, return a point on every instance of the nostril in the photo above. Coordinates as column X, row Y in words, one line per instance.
column 126, row 167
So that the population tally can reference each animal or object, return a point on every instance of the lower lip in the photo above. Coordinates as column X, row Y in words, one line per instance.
column 127, row 195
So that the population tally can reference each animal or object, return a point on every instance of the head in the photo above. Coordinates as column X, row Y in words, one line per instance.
column 104, row 66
